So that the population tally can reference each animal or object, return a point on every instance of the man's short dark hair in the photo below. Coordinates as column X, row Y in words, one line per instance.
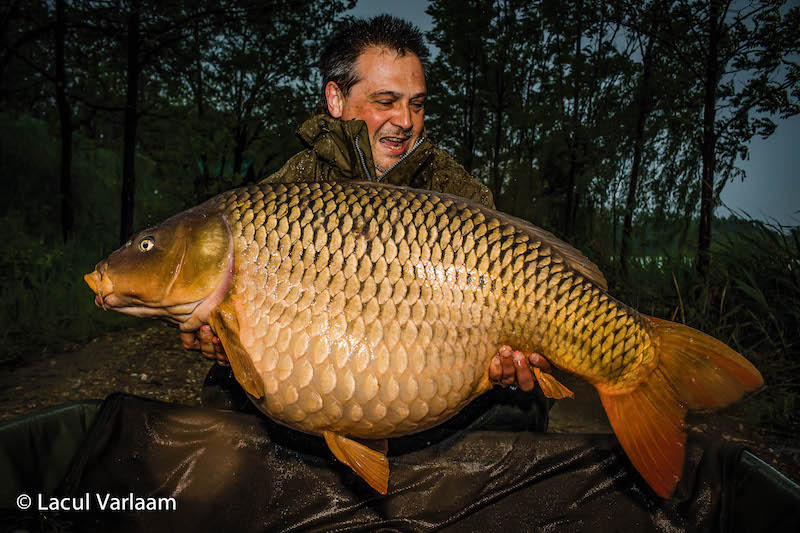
column 339, row 57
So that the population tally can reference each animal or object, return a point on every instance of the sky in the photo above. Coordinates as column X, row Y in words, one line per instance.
column 771, row 190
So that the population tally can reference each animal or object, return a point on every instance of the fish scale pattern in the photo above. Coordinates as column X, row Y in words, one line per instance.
column 374, row 311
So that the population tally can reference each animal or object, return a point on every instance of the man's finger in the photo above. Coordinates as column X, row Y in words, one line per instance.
column 219, row 352
column 189, row 341
column 540, row 362
column 508, row 366
column 495, row 369
column 525, row 380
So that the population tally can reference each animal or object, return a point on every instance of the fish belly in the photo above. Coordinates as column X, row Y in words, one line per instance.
column 374, row 311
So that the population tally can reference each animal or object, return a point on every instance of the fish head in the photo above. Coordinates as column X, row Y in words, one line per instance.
column 178, row 271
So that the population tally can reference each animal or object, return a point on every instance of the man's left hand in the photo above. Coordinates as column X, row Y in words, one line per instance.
column 512, row 367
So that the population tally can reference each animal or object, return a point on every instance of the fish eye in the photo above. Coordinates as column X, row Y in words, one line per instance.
column 147, row 244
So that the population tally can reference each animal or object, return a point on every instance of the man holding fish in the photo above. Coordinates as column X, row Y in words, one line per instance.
column 369, row 125
column 361, row 311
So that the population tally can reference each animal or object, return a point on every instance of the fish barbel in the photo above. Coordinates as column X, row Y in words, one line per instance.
column 363, row 310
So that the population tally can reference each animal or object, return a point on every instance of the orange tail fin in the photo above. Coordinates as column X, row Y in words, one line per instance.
column 695, row 371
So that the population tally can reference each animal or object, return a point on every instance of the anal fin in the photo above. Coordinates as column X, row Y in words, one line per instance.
column 370, row 464
column 551, row 387
column 649, row 425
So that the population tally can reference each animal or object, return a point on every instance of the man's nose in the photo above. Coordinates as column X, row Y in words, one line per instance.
column 403, row 117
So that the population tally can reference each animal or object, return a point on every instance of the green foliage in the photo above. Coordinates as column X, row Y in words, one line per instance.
column 751, row 301
column 45, row 298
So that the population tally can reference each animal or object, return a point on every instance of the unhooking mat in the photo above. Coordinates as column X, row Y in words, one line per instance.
column 230, row 471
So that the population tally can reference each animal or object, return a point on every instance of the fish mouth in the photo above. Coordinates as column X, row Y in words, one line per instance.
column 100, row 284
column 107, row 298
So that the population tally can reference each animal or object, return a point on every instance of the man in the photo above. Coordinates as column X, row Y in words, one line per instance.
column 369, row 125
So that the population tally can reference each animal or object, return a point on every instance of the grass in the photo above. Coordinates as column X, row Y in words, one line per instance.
column 751, row 301
column 762, row 316
column 46, row 301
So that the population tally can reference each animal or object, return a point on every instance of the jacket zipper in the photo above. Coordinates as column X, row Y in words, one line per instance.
column 382, row 176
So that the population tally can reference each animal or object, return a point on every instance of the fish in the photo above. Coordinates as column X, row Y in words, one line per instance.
column 360, row 311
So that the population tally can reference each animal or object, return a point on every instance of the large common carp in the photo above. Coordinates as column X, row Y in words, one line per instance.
column 361, row 310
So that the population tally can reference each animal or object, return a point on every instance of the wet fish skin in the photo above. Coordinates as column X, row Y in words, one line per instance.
column 372, row 311
column 353, row 299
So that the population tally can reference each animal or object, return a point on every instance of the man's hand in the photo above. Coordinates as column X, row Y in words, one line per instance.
column 509, row 367
column 206, row 343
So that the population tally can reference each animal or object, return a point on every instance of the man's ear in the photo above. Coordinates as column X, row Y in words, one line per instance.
column 335, row 99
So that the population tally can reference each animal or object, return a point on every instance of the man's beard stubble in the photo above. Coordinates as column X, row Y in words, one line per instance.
column 392, row 131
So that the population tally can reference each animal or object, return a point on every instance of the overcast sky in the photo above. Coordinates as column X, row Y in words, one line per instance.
column 772, row 188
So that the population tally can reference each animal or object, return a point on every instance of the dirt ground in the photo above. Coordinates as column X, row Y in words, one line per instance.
column 147, row 362
column 150, row 362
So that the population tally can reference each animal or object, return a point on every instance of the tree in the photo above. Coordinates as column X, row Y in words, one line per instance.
column 653, row 15
column 455, row 78
column 744, row 58
column 65, row 119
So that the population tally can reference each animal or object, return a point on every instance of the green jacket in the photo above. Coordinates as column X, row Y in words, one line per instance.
column 339, row 150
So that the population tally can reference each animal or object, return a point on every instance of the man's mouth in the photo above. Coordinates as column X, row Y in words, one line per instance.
column 395, row 145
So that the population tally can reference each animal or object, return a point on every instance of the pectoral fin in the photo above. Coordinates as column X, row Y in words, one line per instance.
column 370, row 464
column 226, row 327
column 551, row 387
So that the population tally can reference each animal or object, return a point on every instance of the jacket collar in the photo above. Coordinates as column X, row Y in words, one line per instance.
column 344, row 144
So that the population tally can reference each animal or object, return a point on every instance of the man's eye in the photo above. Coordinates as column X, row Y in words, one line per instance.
column 385, row 102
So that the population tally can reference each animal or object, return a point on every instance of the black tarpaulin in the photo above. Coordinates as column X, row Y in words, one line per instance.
column 233, row 471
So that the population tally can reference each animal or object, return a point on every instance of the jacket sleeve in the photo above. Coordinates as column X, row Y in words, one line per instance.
column 451, row 178
column 300, row 167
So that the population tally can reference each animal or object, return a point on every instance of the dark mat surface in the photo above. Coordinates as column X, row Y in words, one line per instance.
column 231, row 471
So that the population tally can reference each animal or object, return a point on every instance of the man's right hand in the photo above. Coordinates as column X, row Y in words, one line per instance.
column 204, row 341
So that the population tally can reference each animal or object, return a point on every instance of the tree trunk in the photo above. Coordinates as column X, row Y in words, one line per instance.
column 469, row 119
column 497, row 184
column 710, row 83
column 203, row 180
column 642, row 111
column 129, row 135
column 64, row 114
column 222, row 164
column 571, row 203
column 238, row 150
column 500, row 87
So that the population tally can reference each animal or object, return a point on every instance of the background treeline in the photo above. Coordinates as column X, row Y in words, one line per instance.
column 615, row 124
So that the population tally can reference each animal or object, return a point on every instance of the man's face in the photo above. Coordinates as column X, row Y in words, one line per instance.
column 390, row 98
